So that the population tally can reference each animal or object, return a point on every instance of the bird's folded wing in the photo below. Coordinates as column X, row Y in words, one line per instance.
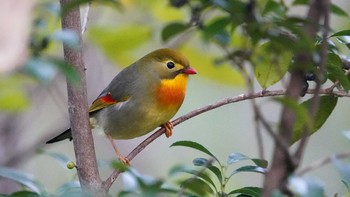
column 102, row 101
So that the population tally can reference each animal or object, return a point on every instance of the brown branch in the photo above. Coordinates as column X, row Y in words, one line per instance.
column 321, row 162
column 78, row 110
column 321, row 72
column 261, row 94
column 282, row 164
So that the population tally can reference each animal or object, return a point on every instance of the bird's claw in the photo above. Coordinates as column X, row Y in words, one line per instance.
column 168, row 126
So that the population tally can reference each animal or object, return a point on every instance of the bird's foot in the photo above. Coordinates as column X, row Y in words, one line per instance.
column 168, row 126
column 121, row 158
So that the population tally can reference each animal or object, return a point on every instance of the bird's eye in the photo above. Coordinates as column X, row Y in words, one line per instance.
column 170, row 65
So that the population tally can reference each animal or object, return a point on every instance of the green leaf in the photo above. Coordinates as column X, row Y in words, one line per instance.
column 196, row 146
column 200, row 174
column 338, row 11
column 215, row 27
column 67, row 69
column 24, row 179
column 120, row 166
column 335, row 71
column 24, row 194
column 326, row 106
column 247, row 191
column 260, row 162
column 76, row 3
column 345, row 32
column 201, row 162
column 300, row 2
column 271, row 62
column 275, row 8
column 198, row 186
column 173, row 29
column 217, row 173
column 119, row 43
column 13, row 97
column 236, row 157
column 256, row 169
column 45, row 69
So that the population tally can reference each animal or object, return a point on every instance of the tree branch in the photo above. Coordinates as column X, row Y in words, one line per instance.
column 321, row 162
column 78, row 111
column 261, row 94
column 282, row 163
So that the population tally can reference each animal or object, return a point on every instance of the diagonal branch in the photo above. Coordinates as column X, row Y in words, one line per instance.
column 261, row 94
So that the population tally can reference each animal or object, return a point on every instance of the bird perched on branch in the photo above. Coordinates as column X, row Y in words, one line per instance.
column 143, row 96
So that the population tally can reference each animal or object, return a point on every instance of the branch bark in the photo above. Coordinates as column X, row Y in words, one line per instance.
column 283, row 163
column 260, row 94
column 78, row 111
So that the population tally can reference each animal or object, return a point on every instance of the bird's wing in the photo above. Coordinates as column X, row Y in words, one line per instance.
column 105, row 99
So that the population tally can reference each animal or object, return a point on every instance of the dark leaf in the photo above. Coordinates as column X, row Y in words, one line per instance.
column 300, row 2
column 172, row 30
column 256, row 169
column 248, row 191
column 215, row 27
column 25, row 194
column 217, row 173
column 275, row 8
column 198, row 186
column 335, row 71
column 260, row 162
column 196, row 146
column 341, row 33
column 200, row 174
column 338, row 11
column 327, row 104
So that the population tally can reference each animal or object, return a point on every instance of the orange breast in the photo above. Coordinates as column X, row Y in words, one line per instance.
column 171, row 92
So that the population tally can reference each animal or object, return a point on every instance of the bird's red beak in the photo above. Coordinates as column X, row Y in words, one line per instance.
column 189, row 71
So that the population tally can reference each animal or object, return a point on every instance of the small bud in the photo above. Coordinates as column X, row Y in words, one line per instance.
column 71, row 165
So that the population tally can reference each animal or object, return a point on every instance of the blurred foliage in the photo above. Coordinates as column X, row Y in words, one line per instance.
column 201, row 181
column 118, row 43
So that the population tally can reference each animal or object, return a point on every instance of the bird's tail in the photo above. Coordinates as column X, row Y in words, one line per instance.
column 67, row 134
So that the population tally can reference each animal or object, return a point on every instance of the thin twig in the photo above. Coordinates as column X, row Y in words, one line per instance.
column 261, row 94
column 321, row 162
column 320, row 74
column 85, row 18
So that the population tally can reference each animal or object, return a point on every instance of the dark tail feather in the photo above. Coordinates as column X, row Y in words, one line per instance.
column 67, row 134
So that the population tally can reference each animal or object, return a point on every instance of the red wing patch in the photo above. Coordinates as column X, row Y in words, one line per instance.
column 102, row 102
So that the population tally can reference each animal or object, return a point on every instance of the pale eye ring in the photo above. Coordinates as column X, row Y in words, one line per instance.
column 170, row 65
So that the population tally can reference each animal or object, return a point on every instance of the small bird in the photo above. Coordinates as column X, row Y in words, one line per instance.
column 142, row 97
